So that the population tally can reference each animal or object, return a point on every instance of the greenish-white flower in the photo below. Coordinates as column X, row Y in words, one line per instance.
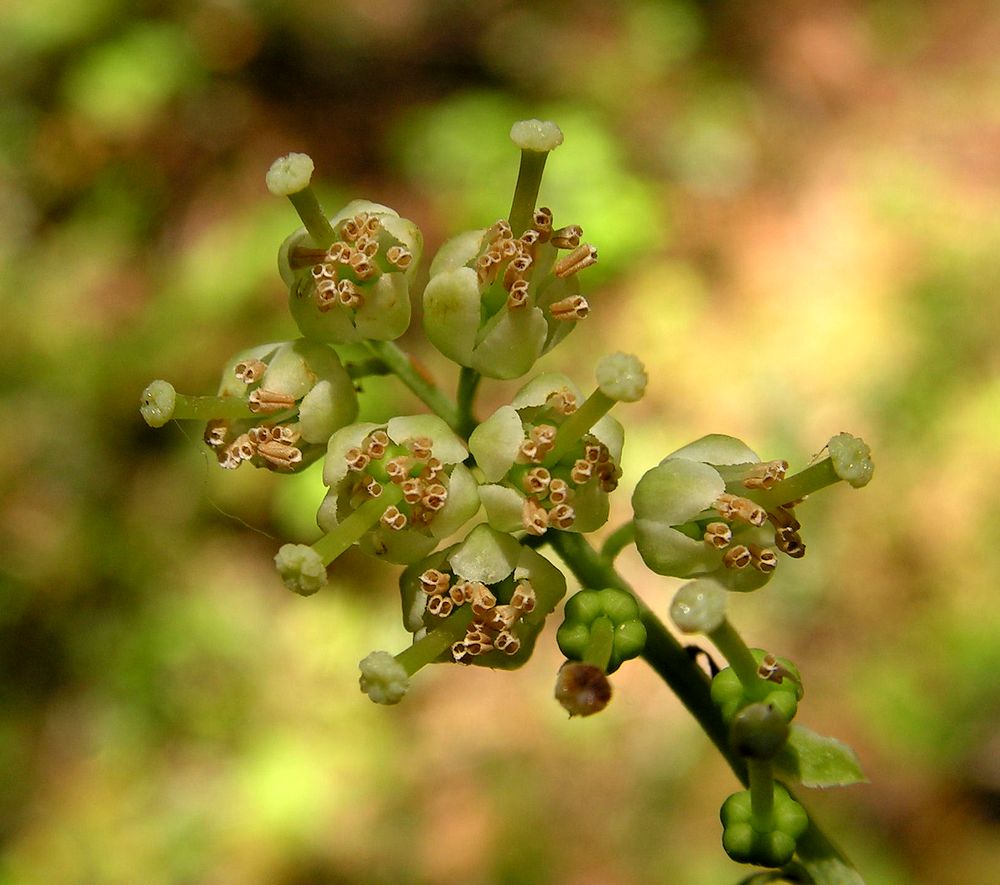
column 496, row 302
column 417, row 460
column 358, row 287
column 529, row 486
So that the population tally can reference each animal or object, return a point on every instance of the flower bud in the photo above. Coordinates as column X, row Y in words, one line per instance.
column 622, row 377
column 851, row 459
column 383, row 678
column 157, row 403
column 289, row 174
column 301, row 569
column 699, row 606
column 582, row 613
column 758, row 731
column 536, row 135
column 582, row 689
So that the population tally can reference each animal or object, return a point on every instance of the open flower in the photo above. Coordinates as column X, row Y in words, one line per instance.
column 357, row 287
column 413, row 467
column 498, row 299
column 492, row 594
column 536, row 478
column 277, row 405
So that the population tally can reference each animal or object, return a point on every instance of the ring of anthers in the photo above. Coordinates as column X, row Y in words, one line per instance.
column 512, row 260
column 411, row 466
column 492, row 625
column 735, row 508
column 271, row 445
column 363, row 252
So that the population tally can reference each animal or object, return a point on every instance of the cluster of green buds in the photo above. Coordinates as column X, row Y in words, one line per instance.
column 714, row 508
column 277, row 405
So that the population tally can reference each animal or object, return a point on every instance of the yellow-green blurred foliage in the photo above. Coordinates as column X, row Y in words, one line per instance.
column 798, row 213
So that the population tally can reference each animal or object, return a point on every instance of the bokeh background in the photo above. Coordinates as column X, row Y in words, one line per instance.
column 798, row 213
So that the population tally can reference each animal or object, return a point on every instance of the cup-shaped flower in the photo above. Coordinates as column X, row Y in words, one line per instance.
column 769, row 844
column 415, row 462
column 530, row 486
column 498, row 299
column 779, row 685
column 357, row 287
column 602, row 627
column 491, row 591
column 694, row 515
column 277, row 405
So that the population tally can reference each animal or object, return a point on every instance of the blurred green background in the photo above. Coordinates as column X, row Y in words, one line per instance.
column 796, row 207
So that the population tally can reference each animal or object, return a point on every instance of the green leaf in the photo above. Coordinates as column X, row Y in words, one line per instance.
column 817, row 761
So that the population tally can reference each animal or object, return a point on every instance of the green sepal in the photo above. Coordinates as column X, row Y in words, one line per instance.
column 773, row 847
column 585, row 607
column 730, row 696
column 815, row 760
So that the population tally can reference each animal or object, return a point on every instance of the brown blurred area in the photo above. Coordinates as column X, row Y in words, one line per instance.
column 796, row 207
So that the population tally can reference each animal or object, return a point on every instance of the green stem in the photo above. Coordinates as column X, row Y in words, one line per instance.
column 529, row 179
column 761, row 775
column 207, row 408
column 602, row 641
column 468, row 383
column 312, row 216
column 823, row 860
column 578, row 424
column 436, row 642
column 618, row 540
column 735, row 650
column 346, row 533
column 401, row 366
column 795, row 487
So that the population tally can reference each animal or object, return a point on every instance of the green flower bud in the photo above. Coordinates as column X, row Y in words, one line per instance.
column 758, row 731
column 495, row 302
column 157, row 404
column 421, row 458
column 301, row 569
column 497, row 593
column 622, row 377
column 780, row 687
column 530, row 487
column 602, row 627
column 695, row 515
column 356, row 288
column 383, row 678
column 699, row 606
column 773, row 846
column 851, row 459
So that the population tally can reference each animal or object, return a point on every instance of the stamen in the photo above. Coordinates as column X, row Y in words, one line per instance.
column 718, row 534
column 362, row 266
column 516, row 270
column 783, row 518
column 482, row 598
column 567, row 237
column 268, row 401
column 487, row 269
column 279, row 454
column 399, row 256
column 541, row 221
column 788, row 541
column 501, row 617
column 435, row 497
column 771, row 670
column 734, row 507
column 413, row 490
column 372, row 487
column 562, row 402
column 434, row 582
column 322, row 272
column 394, row 518
column 498, row 230
column 763, row 559
column 523, row 598
column 737, row 557
column 518, row 296
column 366, row 246
column 356, row 459
column 440, row 605
column 460, row 593
column 398, row 469
column 528, row 452
column 562, row 516
column 536, row 481
column 582, row 256
column 507, row 642
column 575, row 307
column 326, row 294
column 559, row 491
column 534, row 517
column 421, row 447
column 581, row 472
column 458, row 651
column 216, row 432
column 765, row 475
column 250, row 371
column 376, row 445
column 349, row 295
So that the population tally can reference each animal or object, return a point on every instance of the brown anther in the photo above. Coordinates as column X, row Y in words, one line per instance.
column 243, row 447
column 377, row 443
column 421, row 447
column 516, row 270
column 718, row 534
column 738, row 556
column 559, row 491
column 523, row 598
column 536, row 481
column 496, row 231
column 507, row 642
column 541, row 221
column 527, row 453
column 326, row 295
column 268, row 401
column 250, row 371
column 432, row 469
column 763, row 559
column 434, row 582
column 475, row 648
column 434, row 497
column 259, row 434
column 582, row 257
column 356, row 459
column 562, row 516
column 765, row 475
column 528, row 241
column 398, row 469
column 413, row 490
column 783, row 518
column 608, row 476
column 362, row 266
column 518, row 295
column 534, row 517
column 460, row 593
column 581, row 472
column 440, row 605
column 354, row 227
column 487, row 269
column 570, row 309
column 349, row 295
column 367, row 246
column 772, row 670
column 734, row 507
column 563, row 402
column 544, row 435
column 216, row 432
column 322, row 272
column 482, row 598
column 459, row 652
column 338, row 253
column 788, row 541
column 399, row 256
column 567, row 237
column 592, row 452
column 393, row 518
column 371, row 487
column 501, row 617
column 228, row 459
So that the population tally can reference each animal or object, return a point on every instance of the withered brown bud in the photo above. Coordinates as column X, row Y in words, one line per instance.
column 582, row 689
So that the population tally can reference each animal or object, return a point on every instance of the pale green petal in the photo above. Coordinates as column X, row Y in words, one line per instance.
column 541, row 387
column 402, row 547
column 667, row 551
column 716, row 448
column 486, row 555
column 699, row 607
column 513, row 344
column 591, row 507
column 610, row 432
column 462, row 503
column 448, row 446
column 296, row 366
column 229, row 384
column 334, row 326
column 495, row 443
column 350, row 437
column 676, row 491
column 326, row 515
column 452, row 313
column 294, row 240
column 356, row 207
column 385, row 314
column 503, row 507
column 330, row 405
column 457, row 252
